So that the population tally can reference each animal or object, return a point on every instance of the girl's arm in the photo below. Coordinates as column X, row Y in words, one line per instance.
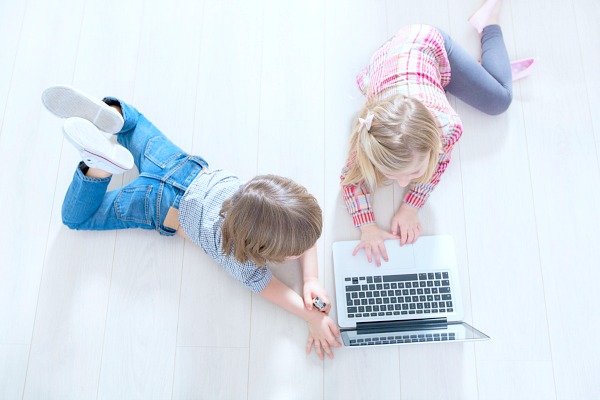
column 357, row 198
column 358, row 203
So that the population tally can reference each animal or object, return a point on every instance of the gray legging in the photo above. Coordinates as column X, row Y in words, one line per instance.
column 486, row 86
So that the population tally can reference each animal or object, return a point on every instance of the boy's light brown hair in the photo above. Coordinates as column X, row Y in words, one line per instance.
column 268, row 219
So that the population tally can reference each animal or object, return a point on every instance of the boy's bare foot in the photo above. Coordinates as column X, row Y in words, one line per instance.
column 97, row 173
column 117, row 107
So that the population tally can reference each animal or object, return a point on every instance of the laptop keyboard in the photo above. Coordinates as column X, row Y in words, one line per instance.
column 405, row 294
column 392, row 339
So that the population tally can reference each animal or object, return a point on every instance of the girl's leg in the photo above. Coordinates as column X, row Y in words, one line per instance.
column 486, row 86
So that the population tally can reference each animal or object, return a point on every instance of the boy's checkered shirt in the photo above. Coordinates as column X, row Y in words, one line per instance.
column 200, row 219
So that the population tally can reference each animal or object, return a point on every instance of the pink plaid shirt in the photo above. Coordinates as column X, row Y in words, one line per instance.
column 414, row 62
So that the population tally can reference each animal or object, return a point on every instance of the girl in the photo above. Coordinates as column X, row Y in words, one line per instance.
column 406, row 130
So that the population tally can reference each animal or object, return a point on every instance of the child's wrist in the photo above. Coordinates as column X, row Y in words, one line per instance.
column 367, row 227
column 313, row 315
column 407, row 206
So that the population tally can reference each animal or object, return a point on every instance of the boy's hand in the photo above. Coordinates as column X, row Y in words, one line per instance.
column 322, row 334
column 372, row 240
column 312, row 288
column 406, row 224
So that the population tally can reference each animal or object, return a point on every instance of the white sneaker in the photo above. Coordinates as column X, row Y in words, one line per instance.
column 66, row 102
column 96, row 150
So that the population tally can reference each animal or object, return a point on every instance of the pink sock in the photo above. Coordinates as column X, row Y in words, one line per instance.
column 480, row 18
column 522, row 68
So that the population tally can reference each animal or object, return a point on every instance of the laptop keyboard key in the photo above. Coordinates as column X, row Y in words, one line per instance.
column 399, row 278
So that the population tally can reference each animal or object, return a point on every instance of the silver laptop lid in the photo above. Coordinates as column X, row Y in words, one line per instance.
column 429, row 256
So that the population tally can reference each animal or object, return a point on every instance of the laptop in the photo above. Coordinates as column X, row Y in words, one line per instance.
column 413, row 298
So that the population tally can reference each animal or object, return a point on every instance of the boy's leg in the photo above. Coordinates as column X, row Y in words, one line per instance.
column 152, row 150
column 165, row 170
column 88, row 206
column 486, row 86
column 135, row 132
column 95, row 149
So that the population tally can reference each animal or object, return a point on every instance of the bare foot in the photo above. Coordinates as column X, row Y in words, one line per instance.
column 487, row 14
column 117, row 107
column 97, row 173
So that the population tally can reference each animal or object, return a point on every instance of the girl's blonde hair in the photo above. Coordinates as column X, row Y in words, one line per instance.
column 268, row 219
column 402, row 129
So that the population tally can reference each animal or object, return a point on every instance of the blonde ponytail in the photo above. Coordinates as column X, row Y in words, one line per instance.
column 402, row 128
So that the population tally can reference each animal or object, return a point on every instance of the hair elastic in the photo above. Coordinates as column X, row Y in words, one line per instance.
column 366, row 122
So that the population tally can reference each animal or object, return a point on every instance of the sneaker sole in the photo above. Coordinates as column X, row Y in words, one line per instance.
column 66, row 102
column 96, row 150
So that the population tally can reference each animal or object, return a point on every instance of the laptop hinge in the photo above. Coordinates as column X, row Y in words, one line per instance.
column 404, row 325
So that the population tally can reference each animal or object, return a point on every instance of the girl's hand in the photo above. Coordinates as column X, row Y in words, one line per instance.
column 372, row 240
column 312, row 288
column 322, row 334
column 406, row 224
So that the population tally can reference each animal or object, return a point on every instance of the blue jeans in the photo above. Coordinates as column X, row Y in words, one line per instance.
column 166, row 171
column 486, row 86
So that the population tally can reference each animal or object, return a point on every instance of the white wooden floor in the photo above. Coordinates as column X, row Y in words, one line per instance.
column 268, row 87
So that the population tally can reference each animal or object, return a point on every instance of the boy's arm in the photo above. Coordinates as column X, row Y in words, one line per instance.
column 309, row 262
column 280, row 294
column 322, row 330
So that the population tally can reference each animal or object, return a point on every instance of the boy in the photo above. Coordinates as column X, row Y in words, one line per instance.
column 241, row 226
